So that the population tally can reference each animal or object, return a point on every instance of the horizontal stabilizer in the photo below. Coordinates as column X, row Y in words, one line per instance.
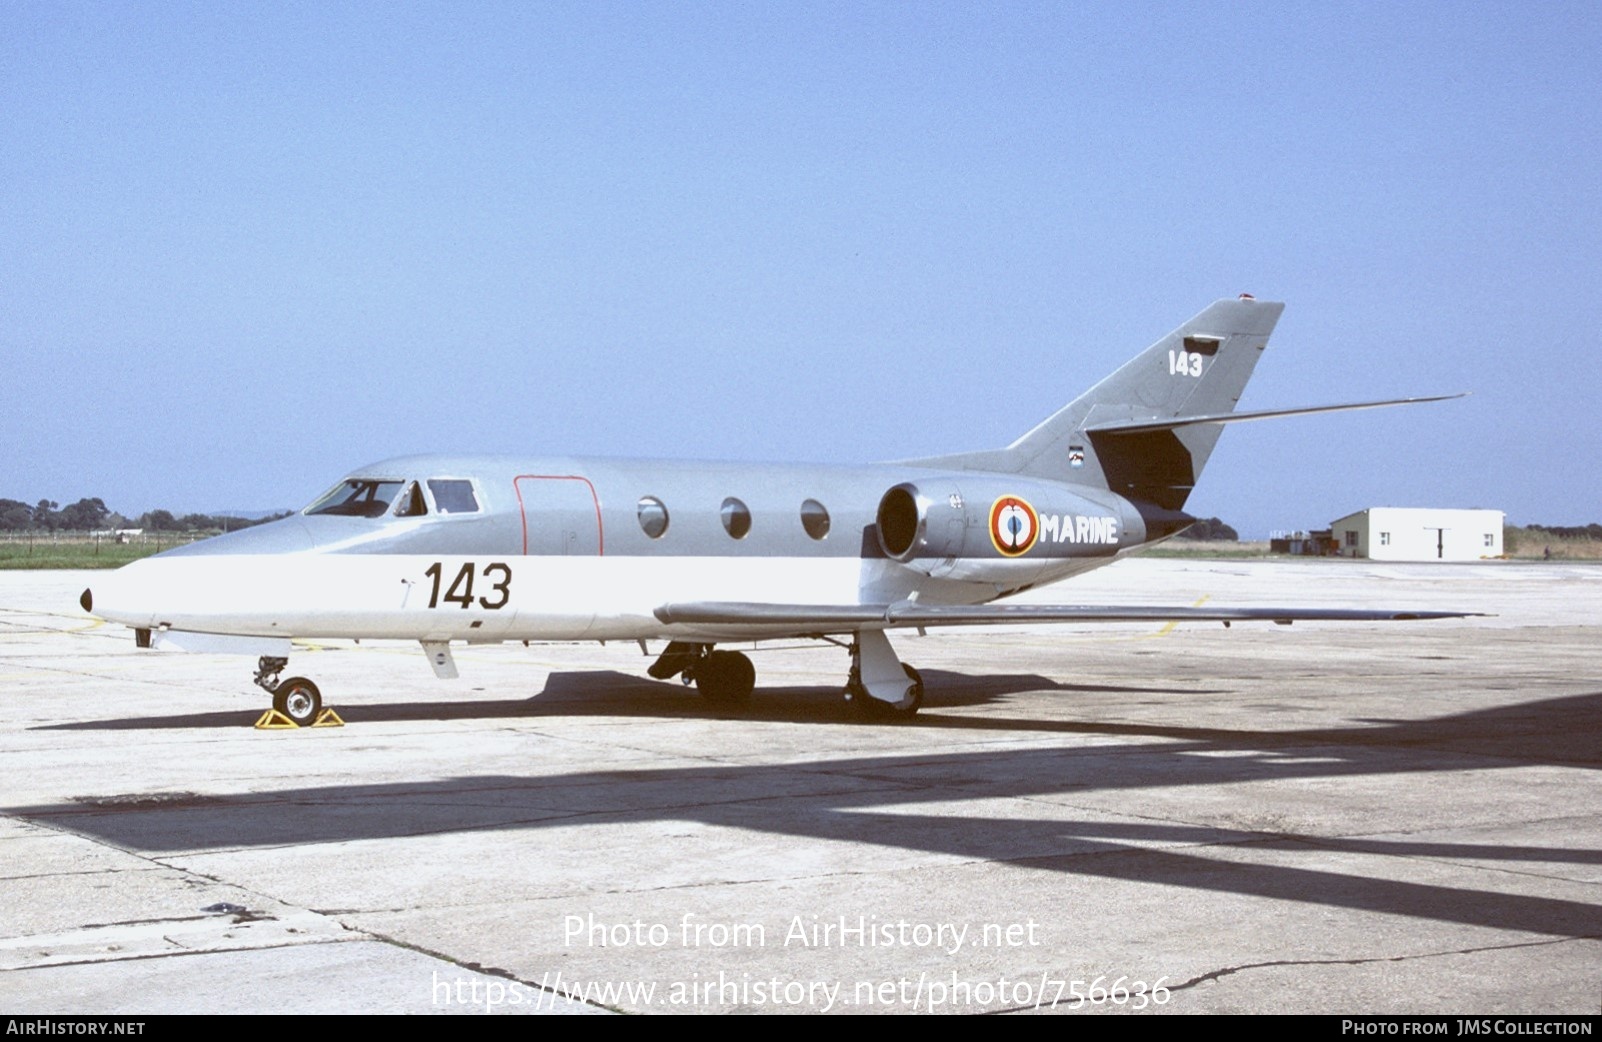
column 836, row 618
column 1171, row 422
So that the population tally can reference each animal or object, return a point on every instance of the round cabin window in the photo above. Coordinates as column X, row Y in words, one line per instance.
column 653, row 517
column 736, row 517
column 815, row 519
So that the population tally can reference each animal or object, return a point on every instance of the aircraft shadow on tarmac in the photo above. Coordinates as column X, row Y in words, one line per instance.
column 858, row 800
column 613, row 693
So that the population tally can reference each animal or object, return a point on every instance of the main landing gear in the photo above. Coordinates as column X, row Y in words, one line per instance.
column 875, row 709
column 297, row 698
column 722, row 677
column 879, row 686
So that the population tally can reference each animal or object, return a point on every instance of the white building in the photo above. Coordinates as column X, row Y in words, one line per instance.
column 1419, row 534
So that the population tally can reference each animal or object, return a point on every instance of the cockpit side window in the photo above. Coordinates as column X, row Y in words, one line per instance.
column 453, row 495
column 411, row 503
column 358, row 497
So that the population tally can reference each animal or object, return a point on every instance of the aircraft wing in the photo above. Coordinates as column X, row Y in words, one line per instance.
column 838, row 617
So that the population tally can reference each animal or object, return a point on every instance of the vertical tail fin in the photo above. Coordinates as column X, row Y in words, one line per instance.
column 1200, row 369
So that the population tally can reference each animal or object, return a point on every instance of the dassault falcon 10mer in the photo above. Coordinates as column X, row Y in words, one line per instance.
column 483, row 549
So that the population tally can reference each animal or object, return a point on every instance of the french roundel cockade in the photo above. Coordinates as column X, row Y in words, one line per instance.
column 1014, row 526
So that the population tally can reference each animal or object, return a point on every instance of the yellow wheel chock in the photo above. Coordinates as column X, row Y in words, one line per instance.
column 273, row 720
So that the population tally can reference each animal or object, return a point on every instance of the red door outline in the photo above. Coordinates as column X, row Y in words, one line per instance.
column 522, row 511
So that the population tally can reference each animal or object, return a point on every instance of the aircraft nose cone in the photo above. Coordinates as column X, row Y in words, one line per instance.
column 87, row 600
column 276, row 537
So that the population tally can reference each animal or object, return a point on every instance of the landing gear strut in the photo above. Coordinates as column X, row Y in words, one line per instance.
column 297, row 698
column 722, row 677
column 875, row 687
column 880, row 685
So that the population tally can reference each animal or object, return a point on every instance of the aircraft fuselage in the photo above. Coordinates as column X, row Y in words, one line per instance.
column 505, row 548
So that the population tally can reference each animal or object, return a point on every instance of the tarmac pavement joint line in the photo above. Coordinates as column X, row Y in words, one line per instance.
column 1228, row 971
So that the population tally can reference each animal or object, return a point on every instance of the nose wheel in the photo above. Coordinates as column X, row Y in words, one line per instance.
column 296, row 698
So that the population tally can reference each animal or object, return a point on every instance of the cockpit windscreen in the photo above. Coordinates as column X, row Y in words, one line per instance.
column 357, row 497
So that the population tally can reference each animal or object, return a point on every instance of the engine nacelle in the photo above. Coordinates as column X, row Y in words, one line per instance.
column 977, row 519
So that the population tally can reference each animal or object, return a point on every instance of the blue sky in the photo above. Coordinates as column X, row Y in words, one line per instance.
column 247, row 247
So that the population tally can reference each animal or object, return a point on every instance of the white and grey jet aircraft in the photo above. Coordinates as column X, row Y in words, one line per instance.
column 483, row 549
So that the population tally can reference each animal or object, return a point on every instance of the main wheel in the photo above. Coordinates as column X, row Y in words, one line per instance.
column 725, row 677
column 914, row 699
column 298, row 699
column 877, row 709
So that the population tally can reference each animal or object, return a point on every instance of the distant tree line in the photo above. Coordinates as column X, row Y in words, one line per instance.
column 1211, row 530
column 92, row 515
column 1591, row 531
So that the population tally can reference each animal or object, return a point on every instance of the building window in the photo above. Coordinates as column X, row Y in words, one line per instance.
column 653, row 517
column 1490, row 539
column 1351, row 538
column 736, row 517
column 1385, row 539
column 815, row 519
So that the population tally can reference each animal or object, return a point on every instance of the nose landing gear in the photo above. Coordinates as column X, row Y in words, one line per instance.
column 299, row 699
column 296, row 699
